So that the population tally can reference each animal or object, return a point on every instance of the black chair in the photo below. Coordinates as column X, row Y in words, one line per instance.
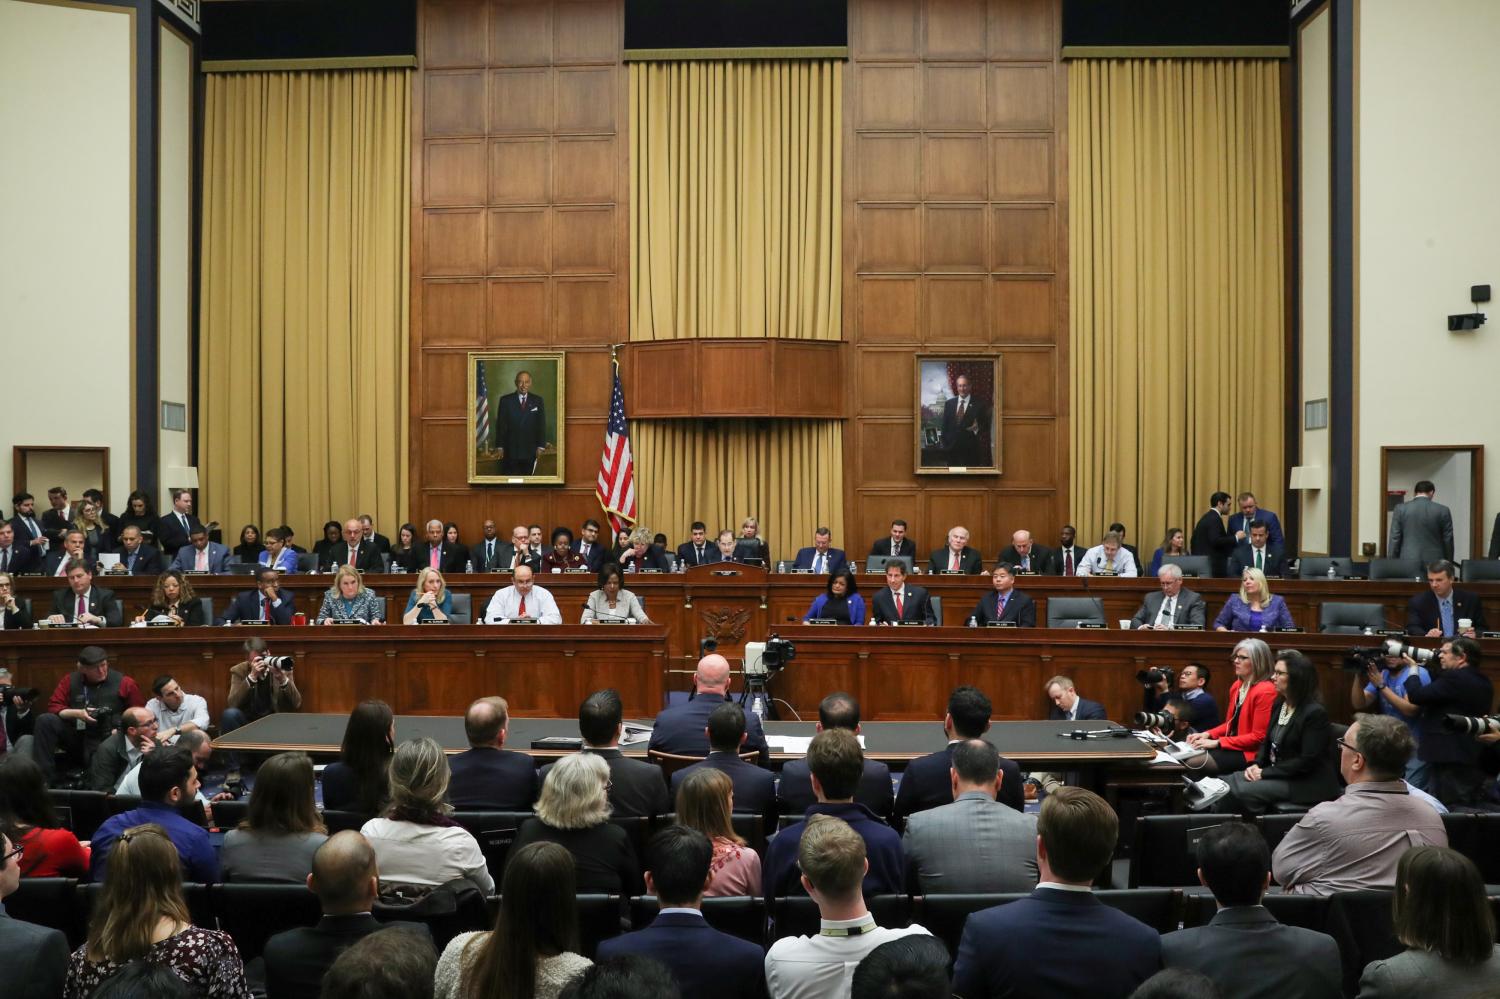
column 1198, row 566
column 307, row 562
column 48, row 902
column 1350, row 619
column 1070, row 612
column 1307, row 911
column 87, row 808
column 1397, row 568
column 599, row 918
column 944, row 915
column 877, row 563
column 253, row 913
column 1475, row 569
column 200, row 906
column 228, row 814
column 638, row 828
column 241, row 568
column 1487, row 846
column 496, row 832
column 1275, row 825
column 463, row 608
column 1163, row 851
column 114, row 804
column 1463, row 835
column 1316, row 567
column 1362, row 923
column 749, row 826
column 797, row 915
column 337, row 820
column 1158, row 908
column 738, row 915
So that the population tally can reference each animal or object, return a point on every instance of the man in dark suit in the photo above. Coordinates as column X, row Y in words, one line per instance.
column 35, row 958
column 1209, row 536
column 965, row 428
column 680, row 729
column 897, row 602
column 1422, row 528
column 353, row 550
column 896, row 544
column 372, row 537
column 591, row 548
column 1173, row 607
column 14, row 558
column 450, row 558
column 264, row 603
column 1257, row 552
column 519, row 551
column 84, row 602
column 74, row 547
column 704, row 961
column 957, row 556
column 1437, row 611
column 697, row 550
column 487, row 552
column 1028, row 556
column 520, row 428
column 1250, row 512
column 1006, row 604
column 28, row 527
column 201, row 554
column 821, row 558
column 636, row 787
column 1061, row 940
column 1068, row 553
column 1494, row 549
column 139, row 558
column 754, row 787
column 346, row 878
column 837, row 710
column 176, row 525
column 1068, row 706
column 489, row 777
column 927, row 783
column 135, row 737
column 59, row 518
column 1244, row 950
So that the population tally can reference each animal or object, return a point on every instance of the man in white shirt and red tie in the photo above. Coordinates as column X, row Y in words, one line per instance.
column 957, row 556
column 264, row 603
column 522, row 600
column 898, row 601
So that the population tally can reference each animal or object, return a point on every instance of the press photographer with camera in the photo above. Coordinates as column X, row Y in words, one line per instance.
column 1397, row 670
column 1202, row 711
column 83, row 712
column 17, row 709
column 261, row 685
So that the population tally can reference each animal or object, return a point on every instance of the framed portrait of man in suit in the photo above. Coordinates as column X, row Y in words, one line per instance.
column 958, row 414
column 517, row 411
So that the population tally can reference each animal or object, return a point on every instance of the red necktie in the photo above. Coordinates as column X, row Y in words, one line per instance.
column 83, row 608
column 267, row 602
column 953, row 561
column 899, row 602
column 1068, row 562
column 521, row 611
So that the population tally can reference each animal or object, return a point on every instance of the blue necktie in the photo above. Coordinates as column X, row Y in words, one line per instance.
column 1445, row 608
column 818, row 566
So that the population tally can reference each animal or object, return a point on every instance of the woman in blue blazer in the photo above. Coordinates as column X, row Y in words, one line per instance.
column 841, row 601
column 1253, row 608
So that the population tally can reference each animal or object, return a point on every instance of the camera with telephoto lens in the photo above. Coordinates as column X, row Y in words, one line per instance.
column 24, row 693
column 1155, row 719
column 1395, row 648
column 779, row 652
column 283, row 663
column 1156, row 674
column 103, row 715
column 1360, row 659
column 1475, row 727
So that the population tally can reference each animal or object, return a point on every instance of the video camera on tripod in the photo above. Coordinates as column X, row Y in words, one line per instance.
column 762, row 661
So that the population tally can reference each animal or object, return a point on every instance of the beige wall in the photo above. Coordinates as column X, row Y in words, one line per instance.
column 1314, row 258
column 67, row 257
column 174, row 238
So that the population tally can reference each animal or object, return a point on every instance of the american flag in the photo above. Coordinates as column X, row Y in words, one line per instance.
column 616, row 485
column 481, row 410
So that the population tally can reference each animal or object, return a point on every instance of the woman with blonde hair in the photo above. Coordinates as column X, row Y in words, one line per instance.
column 174, row 600
column 705, row 801
column 573, row 812
column 643, row 555
column 348, row 600
column 90, row 520
column 430, row 600
column 141, row 914
column 1253, row 608
column 1233, row 744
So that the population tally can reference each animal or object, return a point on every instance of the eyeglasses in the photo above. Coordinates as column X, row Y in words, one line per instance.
column 5, row 859
column 1240, row 657
column 1279, row 672
column 1344, row 745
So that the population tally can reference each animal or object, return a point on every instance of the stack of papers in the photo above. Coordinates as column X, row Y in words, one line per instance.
column 796, row 743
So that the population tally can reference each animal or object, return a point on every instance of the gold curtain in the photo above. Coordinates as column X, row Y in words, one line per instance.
column 303, row 357
column 1175, row 243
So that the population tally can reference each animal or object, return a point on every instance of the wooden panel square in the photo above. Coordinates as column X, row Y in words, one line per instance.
column 886, row 166
column 1021, row 97
column 913, row 682
column 1022, row 29
column 445, row 453
column 1029, row 380
column 953, row 236
column 887, row 310
column 452, row 241
column 585, row 439
column 955, row 29
column 453, row 33
column 586, row 100
column 1021, row 168
column 948, row 508
column 1023, row 311
column 452, row 312
column 520, row 101
column 521, row 34
column 585, row 169
column 885, row 453
column 1025, row 512
column 742, row 394
column 885, row 382
column 443, row 392
column 587, row 32
column 888, row 238
column 1023, row 238
column 517, row 312
column 518, row 241
column 873, row 513
column 454, row 172
column 955, row 310
column 520, row 171
column 584, row 240
column 584, row 311
column 954, row 167
column 887, row 96
column 589, row 385
column 1030, row 449
column 453, row 102
column 885, row 29
column 953, row 97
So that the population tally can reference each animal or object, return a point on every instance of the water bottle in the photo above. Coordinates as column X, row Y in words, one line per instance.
column 1332, row 572
column 781, row 567
column 758, row 708
column 973, row 621
column 469, row 566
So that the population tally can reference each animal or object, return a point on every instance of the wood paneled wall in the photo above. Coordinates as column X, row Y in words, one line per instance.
column 518, row 233
column 955, row 240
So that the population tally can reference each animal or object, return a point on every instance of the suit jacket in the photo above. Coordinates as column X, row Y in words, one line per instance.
column 970, row 561
column 882, row 849
column 1249, row 955
column 1422, row 613
column 974, row 844
column 55, row 524
column 999, row 952
column 1087, row 711
column 1211, row 539
column 915, row 606
column 687, row 553
column 451, row 558
column 58, row 554
column 23, row 557
column 1421, row 972
column 368, row 557
column 35, row 959
column 1044, row 560
column 19, row 620
column 1190, row 610
column 492, row 780
column 506, row 554
column 1237, row 523
column 101, row 604
column 147, row 562
column 1236, row 615
column 636, row 787
column 836, row 559
column 1019, row 608
column 169, row 533
column 478, row 555
column 520, row 431
column 1421, row 528
column 704, row 961
column 110, row 762
column 754, row 787
column 1302, row 756
column 796, row 794
column 597, row 552
column 882, row 547
column 297, row 959
column 750, row 548
column 680, row 728
column 1060, row 558
column 246, row 607
column 653, row 558
column 926, row 783
column 187, row 557
column 1244, row 558
column 967, row 442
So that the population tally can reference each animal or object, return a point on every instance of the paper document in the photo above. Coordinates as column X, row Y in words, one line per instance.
column 796, row 743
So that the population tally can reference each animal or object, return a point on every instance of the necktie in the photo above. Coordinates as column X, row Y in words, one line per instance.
column 1167, row 610
column 895, row 549
column 36, row 532
column 521, row 611
column 699, row 560
column 523, row 402
column 1026, row 562
column 83, row 608
column 961, row 406
column 354, row 555
column 5, row 560
column 818, row 564
column 202, row 561
column 1260, row 559
column 265, row 608
column 130, row 561
column 1068, row 562
column 183, row 517
column 953, row 561
column 436, row 551
column 899, row 603
column 584, row 549
column 489, row 552
column 1446, row 607
column 1000, row 606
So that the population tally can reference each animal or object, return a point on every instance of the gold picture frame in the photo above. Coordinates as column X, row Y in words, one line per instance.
column 509, row 445
column 954, row 439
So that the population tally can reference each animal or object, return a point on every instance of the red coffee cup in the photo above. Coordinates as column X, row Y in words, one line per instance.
column 299, row 620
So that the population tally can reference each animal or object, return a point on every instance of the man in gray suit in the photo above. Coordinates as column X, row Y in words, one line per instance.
column 1173, row 607
column 1421, row 528
column 1247, row 953
column 33, row 959
column 975, row 844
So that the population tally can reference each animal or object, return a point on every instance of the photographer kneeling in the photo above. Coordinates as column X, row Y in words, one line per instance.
column 1192, row 690
column 1293, row 764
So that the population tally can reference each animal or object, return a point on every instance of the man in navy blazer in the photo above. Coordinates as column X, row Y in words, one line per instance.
column 15, row 557
column 214, row 554
column 520, row 428
column 1258, row 548
column 895, row 545
column 1006, row 604
column 1061, row 940
column 698, row 549
column 837, row 710
column 264, row 603
column 451, row 558
column 353, row 550
column 177, row 525
column 1250, row 511
column 926, row 783
column 682, row 728
column 821, row 558
column 139, row 558
column 754, row 787
column 1424, row 612
column 899, row 602
column 592, row 549
column 704, row 961
column 488, row 777
column 1068, row 706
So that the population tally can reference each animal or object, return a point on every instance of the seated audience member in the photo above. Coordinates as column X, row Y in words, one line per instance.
column 533, row 949
column 1253, row 608
column 836, row 762
column 266, row 602
column 1067, row 705
column 89, row 694
column 635, row 786
column 1247, row 953
column 1399, row 672
column 1108, row 558
column 573, row 812
column 831, row 857
column 611, row 601
column 137, row 557
column 628, row 977
column 1177, row 983
column 679, row 937
column 1232, row 744
column 47, row 849
column 909, row 967
column 957, row 556
column 360, row 780
column 642, row 555
column 370, row 536
column 72, row 548
column 277, row 553
column 1175, row 543
column 33, row 959
column 520, row 551
column 402, row 547
column 1028, row 557
column 175, row 527
column 705, row 802
column 346, row 879
column 697, row 550
column 259, row 686
column 487, row 777
column 840, row 600
column 15, row 556
column 590, row 547
column 523, row 600
column 429, row 600
column 1256, row 552
column 681, row 729
column 926, row 783
column 1192, row 688
column 384, row 965
column 176, row 710
column 898, row 602
column 13, row 614
column 1436, row 611
column 169, row 786
column 282, row 830
column 201, row 554
column 822, row 556
column 754, row 787
column 562, row 556
column 534, row 532
column 1353, row 843
column 837, row 710
column 1241, row 523
column 488, row 552
column 352, row 550
column 415, row 841
column 196, row 743
column 1174, row 607
column 1061, row 940
column 84, row 603
column 250, row 547
column 135, row 737
column 347, row 600
column 896, row 544
column 435, row 552
column 1293, row 763
column 1447, row 925
column 173, row 599
column 750, row 548
column 19, row 712
column 1006, row 604
column 974, row 844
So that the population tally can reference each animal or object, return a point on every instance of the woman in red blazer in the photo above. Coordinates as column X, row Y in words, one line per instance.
column 1232, row 745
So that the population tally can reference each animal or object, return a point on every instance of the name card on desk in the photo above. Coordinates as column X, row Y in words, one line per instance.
column 433, row 620
column 1001, row 624
column 1092, row 625
column 1186, row 627
column 253, row 622
column 820, row 620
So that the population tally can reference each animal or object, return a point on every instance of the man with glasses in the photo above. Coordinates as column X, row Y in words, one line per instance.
column 123, row 750
column 13, row 613
column 34, row 958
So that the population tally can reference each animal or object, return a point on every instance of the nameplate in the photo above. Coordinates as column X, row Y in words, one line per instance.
column 648, row 571
column 577, row 569
column 521, row 620
column 1489, row 634
column 196, row 572
column 252, row 622
column 340, row 622
column 820, row 620
column 1391, row 633
column 1186, row 627
column 1289, row 631
column 799, row 572
column 610, row 620
column 1103, row 572
column 1026, row 572
column 1001, row 624
column 161, row 624
column 951, row 572
column 433, row 620
column 1092, row 625
column 912, row 624
column 53, row 624
column 726, row 572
